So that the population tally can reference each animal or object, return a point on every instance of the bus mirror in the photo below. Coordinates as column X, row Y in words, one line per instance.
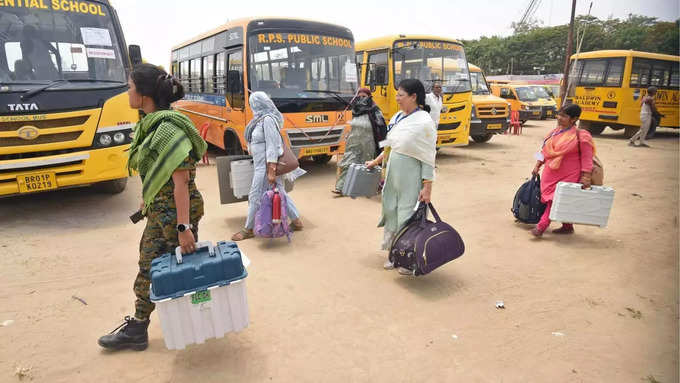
column 135, row 54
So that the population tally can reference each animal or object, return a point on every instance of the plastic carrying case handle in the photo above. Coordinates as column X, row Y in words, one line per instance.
column 199, row 245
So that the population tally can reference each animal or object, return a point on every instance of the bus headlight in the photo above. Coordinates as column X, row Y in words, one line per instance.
column 474, row 114
column 119, row 138
column 106, row 137
column 105, row 140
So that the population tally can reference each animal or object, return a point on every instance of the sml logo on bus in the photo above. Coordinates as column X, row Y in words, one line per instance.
column 316, row 118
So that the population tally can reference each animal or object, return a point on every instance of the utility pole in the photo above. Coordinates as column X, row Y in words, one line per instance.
column 570, row 48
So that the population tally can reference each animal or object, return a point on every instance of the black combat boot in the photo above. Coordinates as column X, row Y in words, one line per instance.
column 131, row 334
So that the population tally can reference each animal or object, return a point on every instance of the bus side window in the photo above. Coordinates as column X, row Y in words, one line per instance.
column 220, row 80
column 675, row 75
column 235, row 94
column 184, row 74
column 639, row 77
column 661, row 72
column 208, row 74
column 615, row 72
column 377, row 69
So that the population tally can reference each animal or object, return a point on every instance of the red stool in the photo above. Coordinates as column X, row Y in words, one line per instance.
column 203, row 131
column 515, row 124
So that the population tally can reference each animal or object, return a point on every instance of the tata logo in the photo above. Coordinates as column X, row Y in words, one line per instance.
column 28, row 132
column 611, row 95
column 494, row 111
column 316, row 118
column 22, row 107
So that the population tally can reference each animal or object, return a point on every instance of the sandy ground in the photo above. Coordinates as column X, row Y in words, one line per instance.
column 598, row 306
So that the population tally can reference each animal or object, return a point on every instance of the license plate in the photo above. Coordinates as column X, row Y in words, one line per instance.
column 29, row 183
column 315, row 151
column 494, row 126
column 536, row 113
column 549, row 113
column 200, row 297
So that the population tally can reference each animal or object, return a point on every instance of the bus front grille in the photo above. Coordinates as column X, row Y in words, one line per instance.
column 42, row 139
column 488, row 111
column 300, row 138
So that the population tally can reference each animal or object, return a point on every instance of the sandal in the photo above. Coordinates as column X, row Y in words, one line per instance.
column 296, row 226
column 243, row 234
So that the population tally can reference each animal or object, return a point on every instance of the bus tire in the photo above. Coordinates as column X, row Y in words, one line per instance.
column 596, row 130
column 630, row 131
column 232, row 145
column 112, row 186
column 481, row 138
column 321, row 159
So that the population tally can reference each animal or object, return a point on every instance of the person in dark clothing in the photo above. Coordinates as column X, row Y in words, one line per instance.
column 363, row 143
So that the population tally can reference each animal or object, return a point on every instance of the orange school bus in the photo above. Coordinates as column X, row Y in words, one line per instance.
column 306, row 67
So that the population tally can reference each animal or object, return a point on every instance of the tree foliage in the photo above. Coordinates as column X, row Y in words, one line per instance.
column 536, row 46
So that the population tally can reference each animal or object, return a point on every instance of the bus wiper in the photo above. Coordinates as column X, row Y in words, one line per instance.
column 35, row 91
column 335, row 94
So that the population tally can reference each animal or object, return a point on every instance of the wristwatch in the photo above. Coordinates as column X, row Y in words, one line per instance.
column 182, row 227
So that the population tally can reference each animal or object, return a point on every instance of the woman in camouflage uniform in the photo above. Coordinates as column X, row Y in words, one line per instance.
column 164, row 151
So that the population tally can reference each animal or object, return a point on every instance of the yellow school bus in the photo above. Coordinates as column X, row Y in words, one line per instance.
column 64, row 114
column 522, row 98
column 388, row 60
column 490, row 114
column 306, row 67
column 609, row 84
column 548, row 104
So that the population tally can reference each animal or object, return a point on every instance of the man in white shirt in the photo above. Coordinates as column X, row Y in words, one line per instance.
column 435, row 101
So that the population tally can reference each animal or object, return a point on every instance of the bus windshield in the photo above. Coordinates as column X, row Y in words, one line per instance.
column 526, row 94
column 38, row 46
column 478, row 84
column 301, row 65
column 540, row 92
column 430, row 61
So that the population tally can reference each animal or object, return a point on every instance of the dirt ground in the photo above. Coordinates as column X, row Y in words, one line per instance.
column 598, row 306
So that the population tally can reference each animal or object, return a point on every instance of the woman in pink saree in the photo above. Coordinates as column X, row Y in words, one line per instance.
column 567, row 154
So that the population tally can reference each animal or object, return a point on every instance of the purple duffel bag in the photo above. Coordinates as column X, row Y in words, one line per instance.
column 422, row 245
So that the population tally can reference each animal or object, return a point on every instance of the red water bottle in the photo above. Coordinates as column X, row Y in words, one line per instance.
column 276, row 207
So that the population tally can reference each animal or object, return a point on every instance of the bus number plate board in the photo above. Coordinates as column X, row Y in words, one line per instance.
column 316, row 151
column 29, row 183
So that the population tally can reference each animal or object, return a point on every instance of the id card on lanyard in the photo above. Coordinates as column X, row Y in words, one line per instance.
column 400, row 117
column 539, row 155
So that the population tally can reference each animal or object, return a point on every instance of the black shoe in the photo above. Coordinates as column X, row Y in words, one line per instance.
column 132, row 334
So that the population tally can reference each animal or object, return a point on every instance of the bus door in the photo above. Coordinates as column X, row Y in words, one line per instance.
column 377, row 79
column 235, row 111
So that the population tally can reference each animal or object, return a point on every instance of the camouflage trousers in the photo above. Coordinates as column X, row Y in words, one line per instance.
column 159, row 237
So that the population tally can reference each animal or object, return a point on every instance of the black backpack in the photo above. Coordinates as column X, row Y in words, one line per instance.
column 527, row 206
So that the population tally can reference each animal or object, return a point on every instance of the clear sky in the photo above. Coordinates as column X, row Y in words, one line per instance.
column 158, row 25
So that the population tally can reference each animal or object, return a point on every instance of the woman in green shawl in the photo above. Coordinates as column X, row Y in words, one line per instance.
column 164, row 151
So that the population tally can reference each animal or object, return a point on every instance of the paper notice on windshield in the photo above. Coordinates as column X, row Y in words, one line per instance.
column 99, row 53
column 96, row 36
column 350, row 72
